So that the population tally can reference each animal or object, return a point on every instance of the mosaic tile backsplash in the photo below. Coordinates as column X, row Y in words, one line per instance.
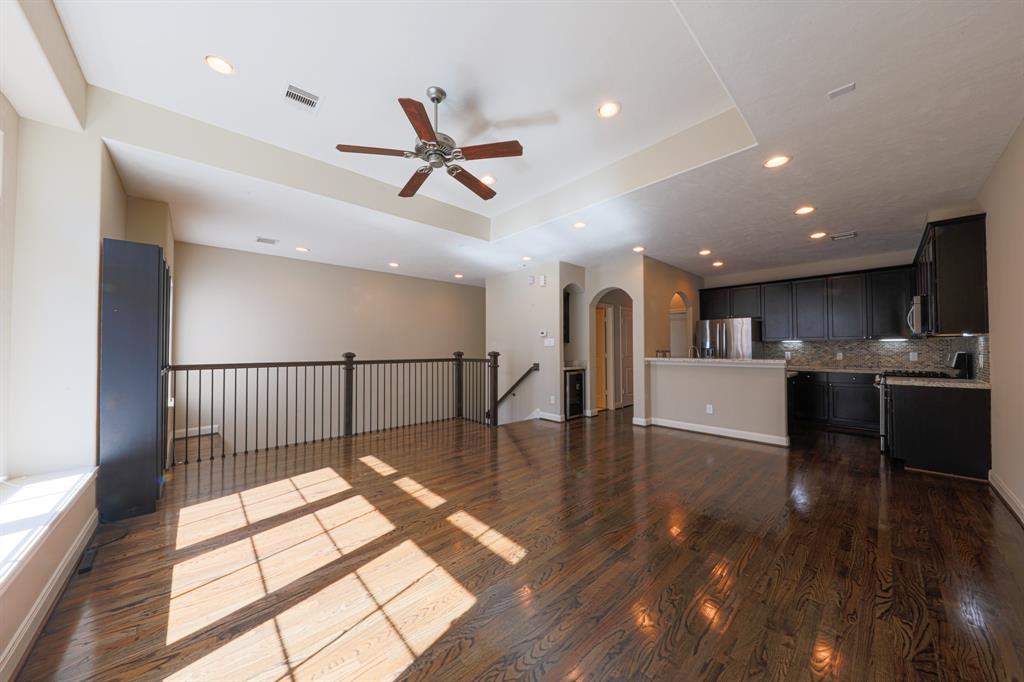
column 932, row 353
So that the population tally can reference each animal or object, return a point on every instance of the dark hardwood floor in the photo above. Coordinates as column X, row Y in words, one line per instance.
column 593, row 550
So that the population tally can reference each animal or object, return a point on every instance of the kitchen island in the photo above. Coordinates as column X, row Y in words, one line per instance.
column 743, row 399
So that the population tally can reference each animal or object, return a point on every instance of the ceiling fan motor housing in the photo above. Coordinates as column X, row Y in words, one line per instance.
column 436, row 154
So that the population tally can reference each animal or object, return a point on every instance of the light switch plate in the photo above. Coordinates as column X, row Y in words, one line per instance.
column 551, row 399
column 709, row 408
column 549, row 342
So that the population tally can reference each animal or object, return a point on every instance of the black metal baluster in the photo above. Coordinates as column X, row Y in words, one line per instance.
column 246, row 410
column 277, row 407
column 321, row 402
column 266, row 428
column 330, row 401
column 187, row 373
column 212, row 396
column 234, row 416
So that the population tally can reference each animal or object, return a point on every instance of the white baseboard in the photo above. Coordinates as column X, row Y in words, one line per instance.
column 591, row 413
column 722, row 431
column 36, row 618
column 550, row 416
column 197, row 430
column 1009, row 497
column 642, row 421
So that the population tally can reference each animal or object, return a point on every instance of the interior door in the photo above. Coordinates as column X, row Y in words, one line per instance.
column 626, row 355
column 600, row 360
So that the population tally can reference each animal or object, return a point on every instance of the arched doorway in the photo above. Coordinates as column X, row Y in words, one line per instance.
column 612, row 350
column 680, row 326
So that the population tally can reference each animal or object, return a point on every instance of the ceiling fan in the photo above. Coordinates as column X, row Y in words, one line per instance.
column 438, row 149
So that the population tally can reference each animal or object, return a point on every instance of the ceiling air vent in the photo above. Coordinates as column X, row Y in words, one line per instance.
column 306, row 99
column 265, row 240
column 842, row 235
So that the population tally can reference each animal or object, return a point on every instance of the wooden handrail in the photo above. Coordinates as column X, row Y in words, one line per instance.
column 535, row 367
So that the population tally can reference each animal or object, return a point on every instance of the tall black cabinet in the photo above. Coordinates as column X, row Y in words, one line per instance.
column 134, row 345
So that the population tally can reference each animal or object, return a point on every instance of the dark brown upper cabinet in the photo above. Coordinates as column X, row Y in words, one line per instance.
column 810, row 309
column 953, row 278
column 847, row 307
column 715, row 304
column 777, row 311
column 889, row 298
column 745, row 301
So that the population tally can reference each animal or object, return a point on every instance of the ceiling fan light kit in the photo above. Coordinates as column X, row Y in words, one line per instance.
column 438, row 150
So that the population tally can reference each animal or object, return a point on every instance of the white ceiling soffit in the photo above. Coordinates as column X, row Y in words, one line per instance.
column 39, row 74
column 533, row 71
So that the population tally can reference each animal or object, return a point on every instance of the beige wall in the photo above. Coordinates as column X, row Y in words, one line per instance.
column 516, row 313
column 8, row 193
column 626, row 273
column 55, row 298
column 233, row 306
column 112, row 199
column 661, row 281
column 149, row 222
column 748, row 402
column 1002, row 198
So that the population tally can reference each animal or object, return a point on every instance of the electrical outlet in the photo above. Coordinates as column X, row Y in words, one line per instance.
column 551, row 399
column 913, row 356
column 789, row 356
column 709, row 408
column 839, row 355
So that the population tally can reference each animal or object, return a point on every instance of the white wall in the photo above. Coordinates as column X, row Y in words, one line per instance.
column 234, row 306
column 1002, row 198
column 113, row 202
column 55, row 298
column 748, row 402
column 8, row 193
column 516, row 312
column 149, row 222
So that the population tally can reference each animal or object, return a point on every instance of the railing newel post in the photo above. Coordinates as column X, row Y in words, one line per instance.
column 349, row 400
column 492, row 388
column 458, row 383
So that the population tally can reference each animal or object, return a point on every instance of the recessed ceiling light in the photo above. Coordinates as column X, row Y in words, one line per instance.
column 219, row 64
column 392, row 264
column 526, row 258
column 718, row 264
column 579, row 226
column 638, row 249
column 302, row 249
column 488, row 180
column 608, row 109
column 705, row 252
column 818, row 235
column 804, row 210
column 457, row 275
column 776, row 161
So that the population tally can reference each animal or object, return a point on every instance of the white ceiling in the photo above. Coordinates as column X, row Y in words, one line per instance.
column 533, row 71
column 940, row 89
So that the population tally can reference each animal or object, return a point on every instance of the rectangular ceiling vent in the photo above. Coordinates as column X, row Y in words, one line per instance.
column 844, row 90
column 306, row 100
column 265, row 240
column 842, row 235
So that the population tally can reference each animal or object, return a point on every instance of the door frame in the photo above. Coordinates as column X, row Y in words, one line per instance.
column 609, row 356
column 621, row 358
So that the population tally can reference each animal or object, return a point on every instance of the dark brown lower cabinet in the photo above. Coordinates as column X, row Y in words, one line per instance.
column 941, row 429
column 842, row 399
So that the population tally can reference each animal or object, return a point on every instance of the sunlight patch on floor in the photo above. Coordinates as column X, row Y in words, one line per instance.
column 487, row 536
column 422, row 493
column 215, row 584
column 370, row 624
column 382, row 468
column 206, row 520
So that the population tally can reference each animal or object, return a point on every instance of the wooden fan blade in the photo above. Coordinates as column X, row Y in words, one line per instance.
column 418, row 118
column 416, row 181
column 492, row 150
column 356, row 149
column 470, row 181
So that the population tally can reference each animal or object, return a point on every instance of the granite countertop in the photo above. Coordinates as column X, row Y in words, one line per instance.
column 721, row 362
column 938, row 383
column 820, row 368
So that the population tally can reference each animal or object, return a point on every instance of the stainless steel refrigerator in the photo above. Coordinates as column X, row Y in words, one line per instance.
column 738, row 338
